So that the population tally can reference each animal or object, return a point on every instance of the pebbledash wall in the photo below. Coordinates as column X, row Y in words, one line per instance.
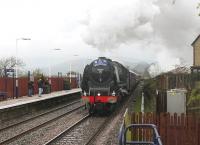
column 196, row 51
column 8, row 85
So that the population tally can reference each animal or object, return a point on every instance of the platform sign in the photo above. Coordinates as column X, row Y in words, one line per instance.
column 32, row 78
column 10, row 70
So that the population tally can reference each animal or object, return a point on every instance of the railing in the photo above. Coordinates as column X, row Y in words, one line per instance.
column 3, row 95
column 138, row 133
column 145, row 128
column 174, row 129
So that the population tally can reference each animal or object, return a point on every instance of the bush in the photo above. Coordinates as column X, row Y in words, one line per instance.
column 195, row 95
column 149, row 90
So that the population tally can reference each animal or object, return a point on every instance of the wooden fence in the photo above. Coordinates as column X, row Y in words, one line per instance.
column 173, row 129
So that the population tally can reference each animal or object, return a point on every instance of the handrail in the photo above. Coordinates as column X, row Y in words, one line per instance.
column 156, row 137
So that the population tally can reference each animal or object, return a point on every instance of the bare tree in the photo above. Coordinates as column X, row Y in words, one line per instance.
column 37, row 73
column 9, row 63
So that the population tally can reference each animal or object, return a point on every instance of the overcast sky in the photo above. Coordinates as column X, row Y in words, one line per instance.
column 128, row 30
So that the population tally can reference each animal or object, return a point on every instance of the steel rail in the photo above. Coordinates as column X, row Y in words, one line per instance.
column 98, row 131
column 66, row 130
column 39, row 115
column 38, row 127
column 102, row 126
column 105, row 123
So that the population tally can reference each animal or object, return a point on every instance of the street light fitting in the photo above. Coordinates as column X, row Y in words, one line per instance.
column 70, row 69
column 52, row 50
column 25, row 38
column 16, row 62
column 57, row 49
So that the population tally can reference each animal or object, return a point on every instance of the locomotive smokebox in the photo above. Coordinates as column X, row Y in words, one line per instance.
column 106, row 82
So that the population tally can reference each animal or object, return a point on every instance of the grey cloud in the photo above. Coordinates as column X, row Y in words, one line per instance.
column 110, row 28
column 165, row 27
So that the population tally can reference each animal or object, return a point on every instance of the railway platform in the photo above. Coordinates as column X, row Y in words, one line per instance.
column 16, row 107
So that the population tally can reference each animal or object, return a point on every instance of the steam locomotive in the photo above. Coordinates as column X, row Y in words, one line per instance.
column 105, row 83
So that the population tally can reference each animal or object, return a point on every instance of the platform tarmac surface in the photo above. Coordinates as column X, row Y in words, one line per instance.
column 35, row 98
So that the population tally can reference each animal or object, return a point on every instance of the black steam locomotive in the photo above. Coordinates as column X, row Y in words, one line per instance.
column 105, row 83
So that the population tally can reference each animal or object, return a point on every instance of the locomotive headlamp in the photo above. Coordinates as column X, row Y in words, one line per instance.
column 113, row 93
column 84, row 93
column 98, row 94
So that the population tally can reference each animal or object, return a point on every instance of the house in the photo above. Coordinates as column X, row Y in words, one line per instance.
column 195, row 69
column 176, row 78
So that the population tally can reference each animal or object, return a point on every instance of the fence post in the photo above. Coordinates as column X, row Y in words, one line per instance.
column 5, row 79
column 199, row 131
column 167, row 129
column 175, row 128
column 133, row 131
column 13, row 77
column 126, row 123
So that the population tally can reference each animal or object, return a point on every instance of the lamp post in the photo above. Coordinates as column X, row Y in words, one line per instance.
column 16, row 61
column 70, row 69
column 70, row 74
column 55, row 49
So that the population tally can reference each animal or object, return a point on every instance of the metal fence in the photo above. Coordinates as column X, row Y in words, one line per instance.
column 8, row 90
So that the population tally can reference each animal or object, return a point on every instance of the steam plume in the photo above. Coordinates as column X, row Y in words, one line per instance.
column 120, row 22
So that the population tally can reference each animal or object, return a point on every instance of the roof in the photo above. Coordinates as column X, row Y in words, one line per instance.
column 195, row 40
column 180, row 70
column 195, row 67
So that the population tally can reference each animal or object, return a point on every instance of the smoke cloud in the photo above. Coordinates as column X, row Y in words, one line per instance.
column 119, row 22
column 148, row 30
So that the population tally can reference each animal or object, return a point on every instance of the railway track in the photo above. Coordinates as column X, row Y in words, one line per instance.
column 21, row 134
column 97, row 132
column 59, row 136
column 81, row 132
column 85, row 131
column 39, row 115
